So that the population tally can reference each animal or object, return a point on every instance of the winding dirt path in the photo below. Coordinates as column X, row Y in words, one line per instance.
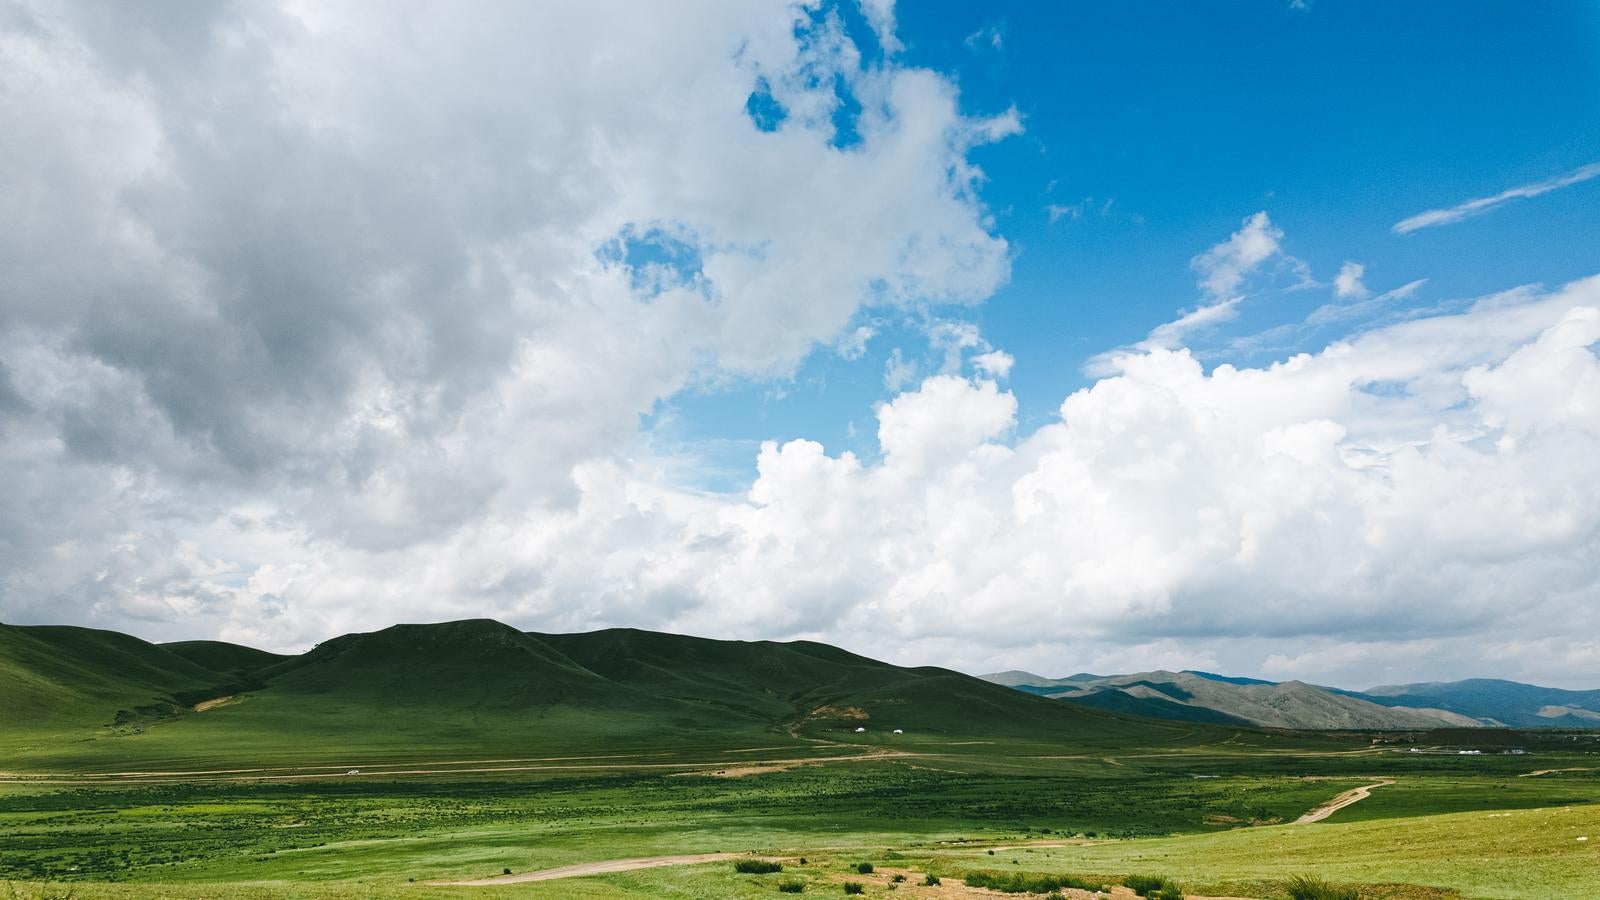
column 596, row 868
column 1355, row 795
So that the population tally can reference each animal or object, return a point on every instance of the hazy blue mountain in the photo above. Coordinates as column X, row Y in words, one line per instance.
column 1207, row 697
column 1509, row 703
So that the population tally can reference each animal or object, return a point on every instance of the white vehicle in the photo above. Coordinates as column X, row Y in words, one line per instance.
column 899, row 731
column 859, row 730
column 353, row 772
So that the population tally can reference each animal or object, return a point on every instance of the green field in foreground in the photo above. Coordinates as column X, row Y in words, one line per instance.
column 129, row 769
column 939, row 811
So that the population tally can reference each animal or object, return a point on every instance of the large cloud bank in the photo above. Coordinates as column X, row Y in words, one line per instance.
column 315, row 322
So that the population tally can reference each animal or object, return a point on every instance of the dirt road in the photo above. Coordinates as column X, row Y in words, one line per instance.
column 1355, row 795
column 597, row 868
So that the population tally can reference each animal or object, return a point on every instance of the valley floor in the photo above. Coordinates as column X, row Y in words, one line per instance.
column 1220, row 819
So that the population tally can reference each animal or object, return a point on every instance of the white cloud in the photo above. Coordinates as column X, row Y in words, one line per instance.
column 433, row 411
column 1348, row 282
column 880, row 15
column 1428, row 481
column 1467, row 209
column 383, row 281
column 995, row 363
column 1057, row 211
column 989, row 37
column 853, row 344
column 898, row 371
column 1224, row 267
column 1170, row 334
column 1331, row 313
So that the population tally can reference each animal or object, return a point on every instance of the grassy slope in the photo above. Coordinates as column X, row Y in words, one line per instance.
column 221, row 656
column 1529, row 853
column 479, row 689
column 825, row 690
column 61, row 683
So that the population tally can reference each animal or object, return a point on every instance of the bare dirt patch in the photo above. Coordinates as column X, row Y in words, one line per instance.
column 853, row 713
column 229, row 700
column 1355, row 795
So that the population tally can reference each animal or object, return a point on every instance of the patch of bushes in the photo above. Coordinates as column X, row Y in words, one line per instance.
column 897, row 878
column 757, row 866
column 931, row 880
column 1026, row 883
column 791, row 886
column 853, row 887
column 1154, row 887
column 864, row 868
column 1310, row 887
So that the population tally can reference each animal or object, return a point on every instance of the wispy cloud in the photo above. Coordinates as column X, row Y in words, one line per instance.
column 991, row 36
column 1225, row 265
column 1470, row 208
column 1339, row 312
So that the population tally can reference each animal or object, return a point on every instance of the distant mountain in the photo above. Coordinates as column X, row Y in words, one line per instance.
column 1497, row 702
column 1204, row 697
column 461, row 690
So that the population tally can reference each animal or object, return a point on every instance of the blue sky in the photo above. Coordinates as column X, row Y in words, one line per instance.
column 578, row 316
column 1155, row 128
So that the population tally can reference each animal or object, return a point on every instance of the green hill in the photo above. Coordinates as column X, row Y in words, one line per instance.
column 221, row 656
column 807, row 687
column 480, row 689
column 60, row 685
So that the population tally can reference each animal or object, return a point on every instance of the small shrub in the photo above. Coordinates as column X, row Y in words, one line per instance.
column 1025, row 883
column 897, row 878
column 864, row 868
column 505, row 871
column 1154, row 887
column 853, row 887
column 791, row 886
column 931, row 880
column 1310, row 887
column 757, row 866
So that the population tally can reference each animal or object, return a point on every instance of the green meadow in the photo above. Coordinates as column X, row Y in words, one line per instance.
column 381, row 765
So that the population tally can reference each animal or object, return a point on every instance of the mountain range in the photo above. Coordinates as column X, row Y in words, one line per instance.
column 1192, row 696
column 97, row 700
column 468, row 688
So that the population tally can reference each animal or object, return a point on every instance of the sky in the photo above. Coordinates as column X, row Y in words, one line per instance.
column 1256, row 337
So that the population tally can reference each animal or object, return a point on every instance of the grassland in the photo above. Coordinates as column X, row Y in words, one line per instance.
column 938, row 810
column 480, row 749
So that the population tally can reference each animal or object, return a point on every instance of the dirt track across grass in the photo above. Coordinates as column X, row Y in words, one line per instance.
column 1355, row 795
column 596, row 868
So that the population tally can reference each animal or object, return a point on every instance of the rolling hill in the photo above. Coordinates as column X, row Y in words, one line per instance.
column 1204, row 697
column 1497, row 702
column 94, row 699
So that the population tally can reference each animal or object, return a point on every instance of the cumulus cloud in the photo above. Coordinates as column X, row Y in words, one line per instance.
column 286, row 279
column 317, row 349
column 1469, row 208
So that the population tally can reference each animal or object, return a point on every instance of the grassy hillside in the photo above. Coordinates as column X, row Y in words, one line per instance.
column 815, row 688
column 56, row 678
column 221, row 656
column 480, row 689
